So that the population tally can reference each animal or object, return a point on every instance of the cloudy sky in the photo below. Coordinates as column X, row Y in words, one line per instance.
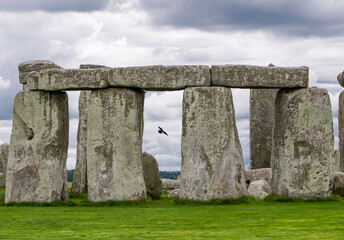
column 148, row 32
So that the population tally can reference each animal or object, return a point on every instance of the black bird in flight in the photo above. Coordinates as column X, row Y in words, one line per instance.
column 162, row 131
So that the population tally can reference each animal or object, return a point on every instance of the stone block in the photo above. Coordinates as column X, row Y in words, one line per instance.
column 29, row 67
column 259, row 189
column 3, row 163
column 174, row 193
column 151, row 176
column 302, row 160
column 114, row 145
column 36, row 168
column 161, row 78
column 80, row 173
column 338, row 166
column 338, row 184
column 212, row 161
column 258, row 174
column 341, row 129
column 170, row 184
column 245, row 76
column 59, row 79
column 262, row 114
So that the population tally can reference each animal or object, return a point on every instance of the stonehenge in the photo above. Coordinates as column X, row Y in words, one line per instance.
column 3, row 163
column 292, row 142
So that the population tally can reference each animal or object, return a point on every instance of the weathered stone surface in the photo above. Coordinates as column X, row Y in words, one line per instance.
column 170, row 184
column 338, row 166
column 338, row 184
column 114, row 145
column 151, row 176
column 80, row 173
column 36, row 168
column 3, row 163
column 212, row 161
column 340, row 79
column 302, row 160
column 69, row 79
column 258, row 174
column 245, row 76
column 161, row 77
column 28, row 67
column 341, row 128
column 174, row 193
column 262, row 114
column 91, row 66
column 259, row 189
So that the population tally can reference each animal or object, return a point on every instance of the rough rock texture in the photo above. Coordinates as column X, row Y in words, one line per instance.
column 161, row 77
column 244, row 76
column 170, row 184
column 114, row 145
column 338, row 184
column 174, row 193
column 340, row 79
column 262, row 114
column 80, row 173
column 338, row 166
column 341, row 128
column 303, row 161
column 29, row 67
column 259, row 189
column 36, row 168
column 258, row 174
column 3, row 163
column 151, row 176
column 69, row 79
column 212, row 161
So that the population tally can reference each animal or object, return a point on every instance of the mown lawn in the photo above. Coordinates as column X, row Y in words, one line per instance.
column 164, row 219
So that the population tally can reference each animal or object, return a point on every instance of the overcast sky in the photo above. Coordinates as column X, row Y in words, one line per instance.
column 147, row 32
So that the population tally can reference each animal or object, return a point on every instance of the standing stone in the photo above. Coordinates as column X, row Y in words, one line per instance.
column 3, row 163
column 36, row 168
column 338, row 184
column 168, row 184
column 151, row 176
column 303, row 161
column 212, row 161
column 114, row 145
column 341, row 129
column 340, row 78
column 262, row 113
column 80, row 173
column 338, row 166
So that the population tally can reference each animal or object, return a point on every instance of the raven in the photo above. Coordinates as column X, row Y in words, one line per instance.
column 162, row 131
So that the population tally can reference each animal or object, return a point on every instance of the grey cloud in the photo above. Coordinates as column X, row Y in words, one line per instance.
column 286, row 17
column 53, row 6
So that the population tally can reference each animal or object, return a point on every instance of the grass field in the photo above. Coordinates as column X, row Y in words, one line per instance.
column 170, row 219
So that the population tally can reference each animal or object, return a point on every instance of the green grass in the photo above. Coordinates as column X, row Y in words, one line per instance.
column 172, row 218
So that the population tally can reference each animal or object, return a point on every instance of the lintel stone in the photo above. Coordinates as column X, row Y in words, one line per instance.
column 59, row 79
column 246, row 76
column 28, row 67
column 160, row 78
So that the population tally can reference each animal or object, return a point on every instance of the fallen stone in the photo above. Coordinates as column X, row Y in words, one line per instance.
column 36, row 168
column 302, row 160
column 29, row 67
column 151, row 176
column 59, row 79
column 80, row 173
column 258, row 174
column 259, row 189
column 212, row 161
column 3, row 163
column 114, row 145
column 262, row 114
column 174, row 193
column 340, row 79
column 159, row 77
column 338, row 184
column 170, row 184
column 341, row 129
column 245, row 76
